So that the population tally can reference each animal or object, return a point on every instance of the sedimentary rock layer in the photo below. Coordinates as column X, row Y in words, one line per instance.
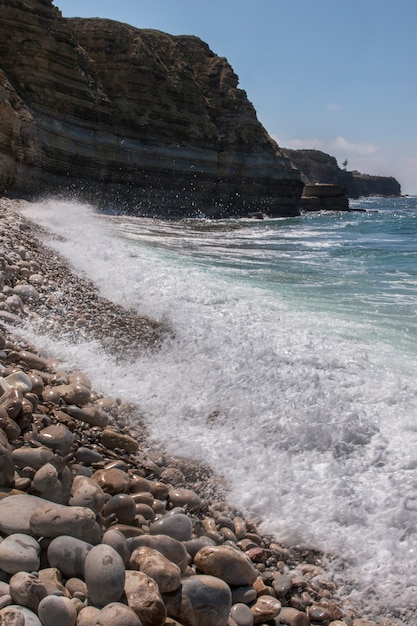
column 121, row 115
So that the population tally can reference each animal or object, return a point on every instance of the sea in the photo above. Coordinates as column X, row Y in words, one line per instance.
column 291, row 368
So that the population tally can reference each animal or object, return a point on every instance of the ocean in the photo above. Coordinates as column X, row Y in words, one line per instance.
column 291, row 368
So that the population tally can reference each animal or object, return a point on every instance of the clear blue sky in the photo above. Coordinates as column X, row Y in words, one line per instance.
column 340, row 76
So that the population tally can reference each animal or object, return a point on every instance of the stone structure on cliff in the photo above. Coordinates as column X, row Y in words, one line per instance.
column 318, row 167
column 135, row 118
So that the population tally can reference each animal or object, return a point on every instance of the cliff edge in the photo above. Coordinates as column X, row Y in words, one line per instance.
column 318, row 167
column 131, row 118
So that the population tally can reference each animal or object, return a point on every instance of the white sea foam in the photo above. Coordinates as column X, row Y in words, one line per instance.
column 312, row 421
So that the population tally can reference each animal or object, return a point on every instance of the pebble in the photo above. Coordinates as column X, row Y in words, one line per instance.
column 86, row 492
column 206, row 600
column 104, row 573
column 112, row 480
column 68, row 555
column 18, row 615
column 27, row 590
column 116, row 614
column 178, row 526
column 144, row 598
column 171, row 548
column 19, row 553
column 58, row 437
column 55, row 610
column 265, row 609
column 226, row 563
column 16, row 511
column 163, row 571
column 241, row 614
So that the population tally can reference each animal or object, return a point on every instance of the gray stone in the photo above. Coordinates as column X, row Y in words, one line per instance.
column 53, row 520
column 32, row 457
column 118, row 541
column 6, row 467
column 53, row 485
column 68, row 554
column 16, row 511
column 177, row 526
column 242, row 614
column 104, row 574
column 57, row 437
column 19, row 552
column 206, row 601
column 55, row 610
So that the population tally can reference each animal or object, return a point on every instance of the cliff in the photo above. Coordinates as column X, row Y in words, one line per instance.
column 318, row 167
column 135, row 118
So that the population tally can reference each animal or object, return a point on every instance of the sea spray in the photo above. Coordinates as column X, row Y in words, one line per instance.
column 300, row 389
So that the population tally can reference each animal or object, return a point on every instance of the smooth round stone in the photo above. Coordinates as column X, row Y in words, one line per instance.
column 58, row 437
column 19, row 552
column 112, row 439
column 17, row 615
column 265, row 609
column 68, row 554
column 77, row 588
column 117, row 614
column 87, row 616
column 177, row 526
column 117, row 540
column 28, row 293
column 145, row 510
column 171, row 548
column 32, row 360
column 87, row 456
column 293, row 617
column 54, row 520
column 104, row 574
column 227, row 563
column 80, row 378
column 16, row 511
column 51, row 484
column 12, row 402
column 112, row 480
column 123, row 506
column 27, row 590
column 19, row 380
column 32, row 457
column 86, row 492
column 246, row 594
column 164, row 572
column 74, row 393
column 55, row 610
column 194, row 545
column 206, row 601
column 185, row 498
column 241, row 614
column 90, row 414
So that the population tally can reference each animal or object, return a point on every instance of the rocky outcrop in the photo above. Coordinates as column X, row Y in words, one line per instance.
column 131, row 117
column 324, row 197
column 368, row 185
column 318, row 167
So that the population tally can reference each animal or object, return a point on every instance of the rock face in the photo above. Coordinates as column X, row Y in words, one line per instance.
column 119, row 115
column 318, row 167
column 324, row 197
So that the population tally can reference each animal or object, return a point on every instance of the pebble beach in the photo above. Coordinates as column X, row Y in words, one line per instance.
column 98, row 529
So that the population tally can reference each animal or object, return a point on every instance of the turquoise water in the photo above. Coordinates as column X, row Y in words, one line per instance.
column 292, row 369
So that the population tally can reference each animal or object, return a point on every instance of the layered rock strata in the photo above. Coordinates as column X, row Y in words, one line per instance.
column 324, row 197
column 138, row 118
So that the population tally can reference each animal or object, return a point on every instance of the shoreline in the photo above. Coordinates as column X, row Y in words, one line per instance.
column 291, row 577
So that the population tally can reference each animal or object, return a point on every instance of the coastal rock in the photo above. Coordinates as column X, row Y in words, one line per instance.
column 27, row 590
column 178, row 526
column 116, row 614
column 16, row 511
column 17, row 615
column 169, row 130
column 19, row 552
column 54, row 520
column 151, row 562
column 55, row 610
column 87, row 493
column 68, row 555
column 143, row 597
column 104, row 573
column 206, row 601
column 226, row 563
column 171, row 548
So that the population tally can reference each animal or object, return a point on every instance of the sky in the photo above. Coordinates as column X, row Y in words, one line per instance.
column 335, row 75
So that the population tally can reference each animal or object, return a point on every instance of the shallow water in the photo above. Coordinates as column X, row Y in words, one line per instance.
column 292, row 370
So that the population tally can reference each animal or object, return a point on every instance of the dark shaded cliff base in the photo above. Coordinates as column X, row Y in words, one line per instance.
column 131, row 119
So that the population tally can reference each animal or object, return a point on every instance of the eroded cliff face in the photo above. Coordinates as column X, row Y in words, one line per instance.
column 133, row 118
